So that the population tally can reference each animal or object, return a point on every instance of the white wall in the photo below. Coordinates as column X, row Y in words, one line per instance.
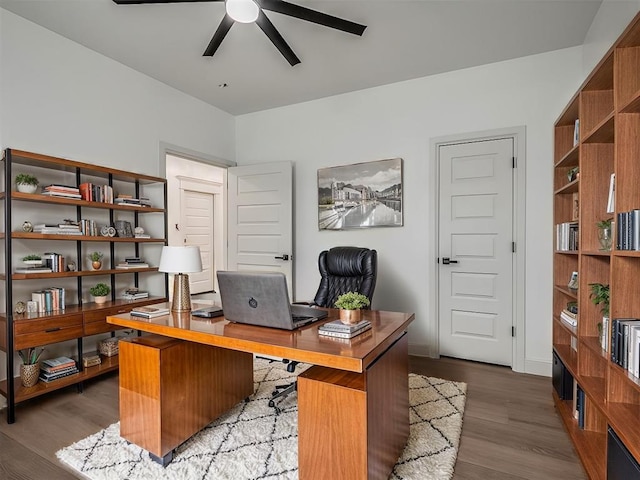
column 612, row 18
column 61, row 99
column 398, row 121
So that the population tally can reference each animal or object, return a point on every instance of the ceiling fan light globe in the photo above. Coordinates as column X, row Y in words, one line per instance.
column 243, row 11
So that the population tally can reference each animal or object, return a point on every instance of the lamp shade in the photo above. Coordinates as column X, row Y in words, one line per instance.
column 180, row 260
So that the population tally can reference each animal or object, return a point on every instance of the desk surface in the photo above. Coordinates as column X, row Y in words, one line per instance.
column 303, row 345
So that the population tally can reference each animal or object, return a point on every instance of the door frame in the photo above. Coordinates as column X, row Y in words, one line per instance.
column 518, row 134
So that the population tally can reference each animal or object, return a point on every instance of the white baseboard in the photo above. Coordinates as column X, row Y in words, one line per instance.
column 538, row 367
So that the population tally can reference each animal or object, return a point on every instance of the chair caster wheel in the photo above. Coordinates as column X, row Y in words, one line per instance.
column 271, row 404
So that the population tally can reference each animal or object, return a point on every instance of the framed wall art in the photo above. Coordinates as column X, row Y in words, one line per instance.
column 360, row 195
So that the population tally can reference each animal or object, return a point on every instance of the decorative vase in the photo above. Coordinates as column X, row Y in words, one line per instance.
column 29, row 374
column 349, row 317
column 26, row 187
column 100, row 299
column 604, row 236
column 96, row 265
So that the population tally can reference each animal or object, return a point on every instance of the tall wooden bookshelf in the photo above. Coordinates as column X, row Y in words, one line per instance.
column 607, row 107
column 82, row 318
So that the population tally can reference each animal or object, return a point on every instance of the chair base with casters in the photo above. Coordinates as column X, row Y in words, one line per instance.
column 284, row 390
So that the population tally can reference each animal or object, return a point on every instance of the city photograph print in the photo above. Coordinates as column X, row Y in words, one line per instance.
column 361, row 195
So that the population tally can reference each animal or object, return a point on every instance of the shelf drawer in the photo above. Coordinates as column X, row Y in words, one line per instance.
column 32, row 333
column 96, row 321
column 102, row 314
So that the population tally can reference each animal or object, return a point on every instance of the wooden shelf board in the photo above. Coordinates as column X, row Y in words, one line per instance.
column 570, row 159
column 593, row 343
column 566, row 252
column 596, row 253
column 603, row 132
column 108, row 364
column 634, row 382
column 83, row 273
column 590, row 446
column 626, row 253
column 569, row 357
column 36, row 197
column 36, row 159
column 571, row 187
column 632, row 106
column 595, row 387
column 564, row 325
column 623, row 417
column 82, row 238
column 566, row 291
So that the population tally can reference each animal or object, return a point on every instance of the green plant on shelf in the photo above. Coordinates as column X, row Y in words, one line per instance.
column 96, row 256
column 31, row 257
column 26, row 179
column 100, row 290
column 30, row 356
column 352, row 301
column 600, row 296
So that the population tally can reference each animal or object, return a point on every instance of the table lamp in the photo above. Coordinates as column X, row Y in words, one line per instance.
column 180, row 261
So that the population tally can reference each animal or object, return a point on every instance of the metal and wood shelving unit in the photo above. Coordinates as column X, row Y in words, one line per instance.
column 81, row 318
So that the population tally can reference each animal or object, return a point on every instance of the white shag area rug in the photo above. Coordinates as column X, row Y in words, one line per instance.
column 252, row 442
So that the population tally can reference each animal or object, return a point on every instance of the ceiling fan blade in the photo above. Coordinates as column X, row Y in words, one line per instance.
column 303, row 13
column 139, row 2
column 226, row 23
column 270, row 31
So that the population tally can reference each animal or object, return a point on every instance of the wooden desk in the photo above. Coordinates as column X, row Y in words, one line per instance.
column 353, row 404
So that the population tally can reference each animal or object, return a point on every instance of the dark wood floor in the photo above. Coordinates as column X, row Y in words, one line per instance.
column 510, row 429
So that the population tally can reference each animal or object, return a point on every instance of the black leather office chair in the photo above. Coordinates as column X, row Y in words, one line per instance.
column 342, row 270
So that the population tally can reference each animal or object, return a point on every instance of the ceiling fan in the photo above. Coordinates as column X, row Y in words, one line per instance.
column 248, row 11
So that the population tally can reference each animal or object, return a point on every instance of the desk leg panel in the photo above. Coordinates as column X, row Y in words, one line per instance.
column 354, row 426
column 170, row 389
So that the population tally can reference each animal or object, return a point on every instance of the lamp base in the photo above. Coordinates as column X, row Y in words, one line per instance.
column 181, row 293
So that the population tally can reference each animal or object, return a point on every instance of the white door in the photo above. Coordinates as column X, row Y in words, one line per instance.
column 197, row 220
column 260, row 218
column 476, row 250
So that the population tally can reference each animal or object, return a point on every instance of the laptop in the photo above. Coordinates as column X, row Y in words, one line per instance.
column 262, row 298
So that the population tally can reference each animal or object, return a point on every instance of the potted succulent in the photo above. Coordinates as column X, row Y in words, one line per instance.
column 100, row 292
column 30, row 368
column 604, row 234
column 96, row 260
column 26, row 183
column 32, row 259
column 350, row 305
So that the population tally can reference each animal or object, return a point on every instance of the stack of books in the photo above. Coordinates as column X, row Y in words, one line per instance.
column 64, row 191
column 132, row 262
column 149, row 312
column 123, row 199
column 35, row 269
column 134, row 293
column 569, row 317
column 55, row 368
column 341, row 330
column 57, row 229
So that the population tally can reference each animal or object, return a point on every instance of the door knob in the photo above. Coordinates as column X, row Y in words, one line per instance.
column 283, row 257
column 447, row 261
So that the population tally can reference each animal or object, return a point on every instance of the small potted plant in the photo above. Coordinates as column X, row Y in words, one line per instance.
column 30, row 368
column 96, row 260
column 350, row 305
column 32, row 259
column 604, row 234
column 26, row 183
column 100, row 292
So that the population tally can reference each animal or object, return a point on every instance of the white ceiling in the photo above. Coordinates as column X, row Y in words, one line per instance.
column 403, row 40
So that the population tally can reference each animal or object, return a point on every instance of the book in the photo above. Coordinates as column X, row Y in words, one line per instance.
column 58, row 361
column 33, row 270
column 338, row 326
column 149, row 312
column 355, row 333
column 49, row 373
column 612, row 197
column 47, row 379
column 576, row 132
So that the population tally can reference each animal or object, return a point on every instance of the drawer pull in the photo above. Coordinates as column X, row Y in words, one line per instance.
column 52, row 330
column 123, row 311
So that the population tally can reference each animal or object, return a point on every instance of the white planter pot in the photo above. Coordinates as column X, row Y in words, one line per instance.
column 26, row 188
